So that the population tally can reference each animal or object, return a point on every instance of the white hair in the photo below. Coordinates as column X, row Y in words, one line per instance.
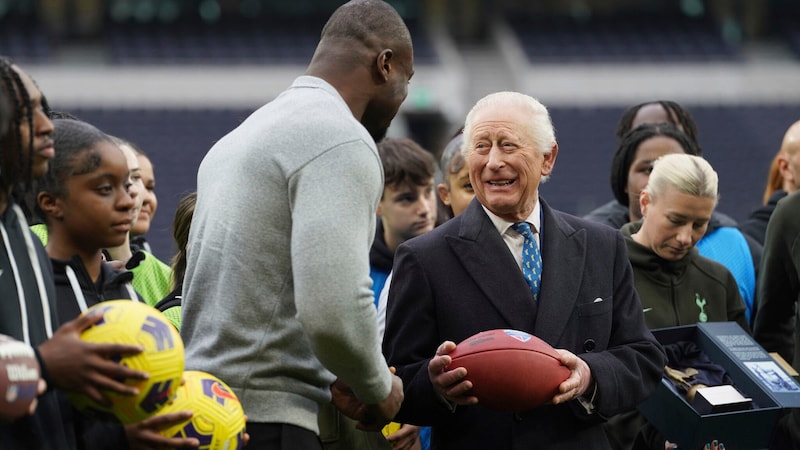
column 541, row 127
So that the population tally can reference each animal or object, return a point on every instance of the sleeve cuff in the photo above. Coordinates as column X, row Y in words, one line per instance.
column 447, row 403
column 588, row 403
column 42, row 367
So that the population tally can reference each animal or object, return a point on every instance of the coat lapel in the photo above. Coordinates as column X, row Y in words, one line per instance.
column 487, row 260
column 563, row 262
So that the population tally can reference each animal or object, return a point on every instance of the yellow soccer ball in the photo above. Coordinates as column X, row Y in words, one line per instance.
column 218, row 421
column 131, row 322
column 390, row 428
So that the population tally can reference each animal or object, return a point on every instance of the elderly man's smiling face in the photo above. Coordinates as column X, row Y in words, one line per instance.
column 505, row 166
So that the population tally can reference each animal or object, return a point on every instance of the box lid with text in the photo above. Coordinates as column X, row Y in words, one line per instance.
column 754, row 373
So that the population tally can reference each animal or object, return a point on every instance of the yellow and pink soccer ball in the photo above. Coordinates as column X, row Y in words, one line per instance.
column 130, row 322
column 218, row 420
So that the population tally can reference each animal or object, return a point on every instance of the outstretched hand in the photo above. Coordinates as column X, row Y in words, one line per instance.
column 77, row 365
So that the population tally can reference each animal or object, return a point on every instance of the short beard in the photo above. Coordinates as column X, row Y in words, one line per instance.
column 378, row 135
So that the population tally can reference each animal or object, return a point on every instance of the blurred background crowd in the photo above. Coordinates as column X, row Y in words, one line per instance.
column 173, row 76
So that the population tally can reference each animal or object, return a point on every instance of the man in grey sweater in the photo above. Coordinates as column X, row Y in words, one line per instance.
column 276, row 297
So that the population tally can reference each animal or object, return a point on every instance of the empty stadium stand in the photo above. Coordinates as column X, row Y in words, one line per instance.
column 175, row 87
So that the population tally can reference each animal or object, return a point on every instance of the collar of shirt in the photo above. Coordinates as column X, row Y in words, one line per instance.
column 513, row 239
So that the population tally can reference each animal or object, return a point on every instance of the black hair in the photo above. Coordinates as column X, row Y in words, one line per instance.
column 372, row 22
column 677, row 115
column 626, row 151
column 20, row 112
column 180, row 233
column 16, row 157
column 5, row 114
column 125, row 142
column 61, row 115
column 72, row 138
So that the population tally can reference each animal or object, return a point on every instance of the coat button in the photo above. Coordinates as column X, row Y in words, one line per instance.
column 517, row 417
column 588, row 345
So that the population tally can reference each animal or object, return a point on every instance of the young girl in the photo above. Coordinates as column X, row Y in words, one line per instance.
column 149, row 201
column 152, row 278
column 85, row 201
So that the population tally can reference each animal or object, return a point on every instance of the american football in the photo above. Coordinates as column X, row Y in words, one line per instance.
column 19, row 377
column 510, row 370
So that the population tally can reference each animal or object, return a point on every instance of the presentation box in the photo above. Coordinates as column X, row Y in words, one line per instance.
column 755, row 374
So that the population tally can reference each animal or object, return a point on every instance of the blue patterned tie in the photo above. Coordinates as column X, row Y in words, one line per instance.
column 531, row 258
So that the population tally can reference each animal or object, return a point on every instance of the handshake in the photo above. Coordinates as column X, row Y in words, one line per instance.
column 370, row 417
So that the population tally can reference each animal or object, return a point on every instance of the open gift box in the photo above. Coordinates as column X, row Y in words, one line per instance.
column 755, row 374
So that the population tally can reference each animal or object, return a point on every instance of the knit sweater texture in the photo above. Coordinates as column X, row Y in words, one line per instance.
column 277, row 297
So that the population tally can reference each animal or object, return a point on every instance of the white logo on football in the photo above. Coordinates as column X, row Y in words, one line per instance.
column 21, row 372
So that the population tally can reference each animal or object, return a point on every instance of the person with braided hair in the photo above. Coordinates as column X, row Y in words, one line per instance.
column 5, row 114
column 658, row 111
column 615, row 213
column 28, row 310
column 152, row 277
column 722, row 242
column 87, row 200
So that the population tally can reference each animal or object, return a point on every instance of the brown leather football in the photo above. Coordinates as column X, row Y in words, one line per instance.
column 19, row 377
column 510, row 370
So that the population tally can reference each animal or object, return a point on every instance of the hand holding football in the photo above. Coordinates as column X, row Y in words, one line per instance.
column 510, row 370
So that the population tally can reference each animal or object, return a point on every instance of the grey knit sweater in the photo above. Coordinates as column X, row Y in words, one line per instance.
column 277, row 289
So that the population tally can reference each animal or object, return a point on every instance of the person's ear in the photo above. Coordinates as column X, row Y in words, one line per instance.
column 50, row 205
column 444, row 193
column 549, row 160
column 384, row 64
column 783, row 168
column 644, row 202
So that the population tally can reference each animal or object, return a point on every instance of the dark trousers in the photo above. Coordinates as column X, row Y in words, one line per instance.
column 281, row 436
